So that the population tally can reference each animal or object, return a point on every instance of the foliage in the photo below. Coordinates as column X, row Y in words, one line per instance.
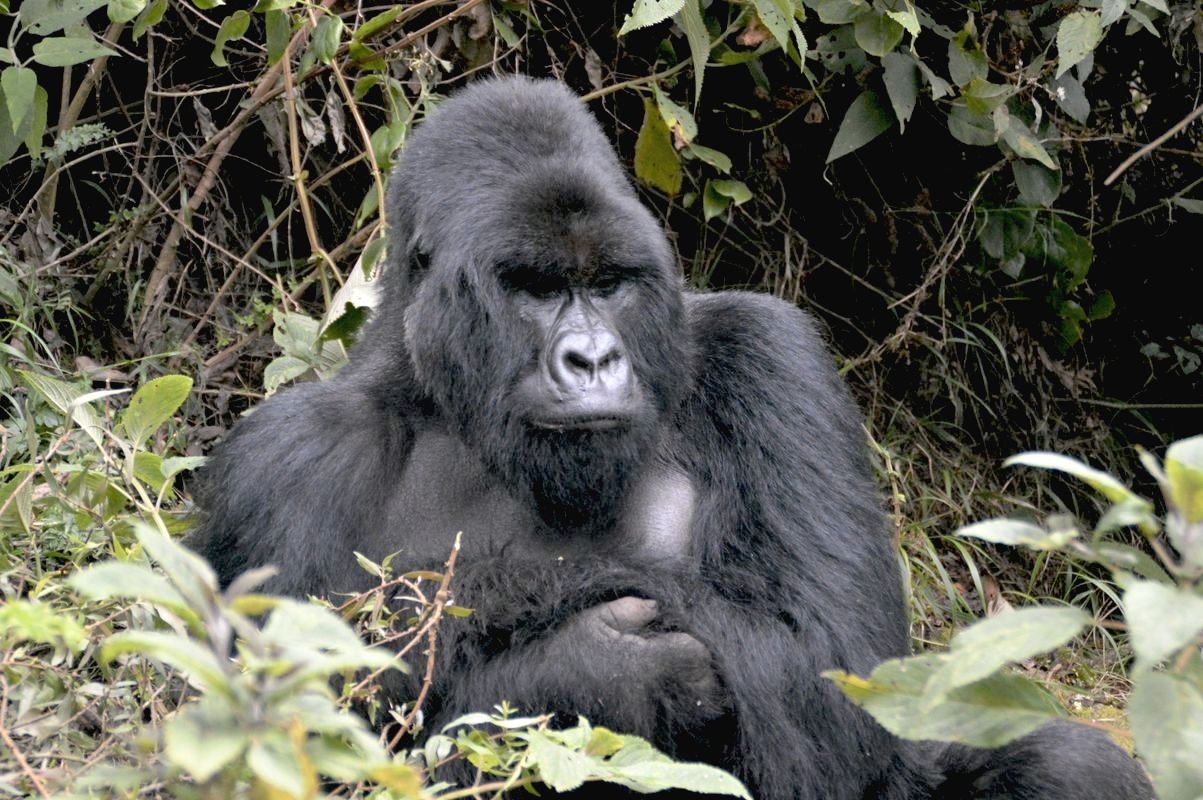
column 140, row 672
column 965, row 695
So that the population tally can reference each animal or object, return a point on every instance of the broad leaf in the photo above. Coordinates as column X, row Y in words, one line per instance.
column 649, row 12
column 204, row 737
column 903, row 80
column 1162, row 619
column 232, row 27
column 1098, row 480
column 125, row 10
column 1014, row 532
column 656, row 161
column 989, row 645
column 63, row 51
column 1078, row 35
column 19, row 85
column 1166, row 714
column 1184, row 472
column 122, row 579
column 877, row 34
column 152, row 405
column 197, row 663
column 1038, row 185
column 865, row 120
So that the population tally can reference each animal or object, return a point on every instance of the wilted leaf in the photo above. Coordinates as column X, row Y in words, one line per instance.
column 864, row 121
column 656, row 161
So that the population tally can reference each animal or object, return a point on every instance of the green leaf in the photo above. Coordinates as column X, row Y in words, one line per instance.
column 1187, row 204
column 278, row 27
column 378, row 23
column 198, row 664
column 736, row 190
column 125, row 10
column 690, row 19
column 204, row 737
column 649, row 12
column 327, row 36
column 1112, row 10
column 1004, row 232
column 232, row 27
column 1020, row 138
column 1078, row 35
column 152, row 405
column 679, row 121
column 63, row 51
column 1013, row 532
column 190, row 573
column 969, row 127
column 37, row 123
column 19, row 85
column 713, row 203
column 1161, row 619
column 24, row 620
column 939, row 86
column 152, row 16
column 1160, row 5
column 864, row 121
column 1098, row 480
column 1102, row 307
column 122, row 579
column 264, row 6
column 67, row 400
column 989, row 645
column 966, row 60
column 1038, row 185
column 1166, row 714
column 778, row 17
column 1071, row 97
column 47, row 16
column 903, row 80
column 988, row 713
column 837, row 12
column 907, row 19
column 877, row 34
column 639, row 766
column 171, row 467
column 714, row 158
column 1184, row 472
column 274, row 761
column 559, row 767
column 982, row 97
column 656, row 161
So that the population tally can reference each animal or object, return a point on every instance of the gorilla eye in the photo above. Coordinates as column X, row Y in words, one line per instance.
column 608, row 284
column 532, row 281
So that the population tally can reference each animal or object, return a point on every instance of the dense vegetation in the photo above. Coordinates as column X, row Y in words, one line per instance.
column 993, row 207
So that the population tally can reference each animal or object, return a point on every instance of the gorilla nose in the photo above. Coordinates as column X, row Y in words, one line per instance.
column 582, row 361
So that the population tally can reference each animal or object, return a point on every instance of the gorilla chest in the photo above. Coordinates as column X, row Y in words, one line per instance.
column 444, row 489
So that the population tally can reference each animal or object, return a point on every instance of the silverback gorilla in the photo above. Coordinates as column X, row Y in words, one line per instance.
column 667, row 514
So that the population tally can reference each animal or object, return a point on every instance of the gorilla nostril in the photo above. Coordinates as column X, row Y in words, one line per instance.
column 579, row 362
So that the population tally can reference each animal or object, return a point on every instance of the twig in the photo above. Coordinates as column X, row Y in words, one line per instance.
column 440, row 601
column 1153, row 145
column 8, row 740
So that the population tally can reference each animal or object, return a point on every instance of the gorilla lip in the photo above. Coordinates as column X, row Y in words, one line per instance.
column 582, row 423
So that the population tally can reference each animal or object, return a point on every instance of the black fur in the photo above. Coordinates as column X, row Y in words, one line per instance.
column 787, row 569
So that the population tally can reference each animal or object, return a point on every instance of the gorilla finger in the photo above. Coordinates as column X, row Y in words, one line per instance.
column 627, row 614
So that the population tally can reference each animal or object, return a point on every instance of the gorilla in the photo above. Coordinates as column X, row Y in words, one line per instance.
column 668, row 520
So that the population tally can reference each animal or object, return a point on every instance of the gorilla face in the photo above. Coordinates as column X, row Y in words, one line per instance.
column 553, row 343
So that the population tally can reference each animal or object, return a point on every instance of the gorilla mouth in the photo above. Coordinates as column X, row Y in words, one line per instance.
column 580, row 422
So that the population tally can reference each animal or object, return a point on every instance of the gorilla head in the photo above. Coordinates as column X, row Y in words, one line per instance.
column 542, row 307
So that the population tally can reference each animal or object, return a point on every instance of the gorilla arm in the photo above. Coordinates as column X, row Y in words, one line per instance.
column 801, row 574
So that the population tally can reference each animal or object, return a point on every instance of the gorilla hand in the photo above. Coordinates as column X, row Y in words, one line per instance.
column 615, row 646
